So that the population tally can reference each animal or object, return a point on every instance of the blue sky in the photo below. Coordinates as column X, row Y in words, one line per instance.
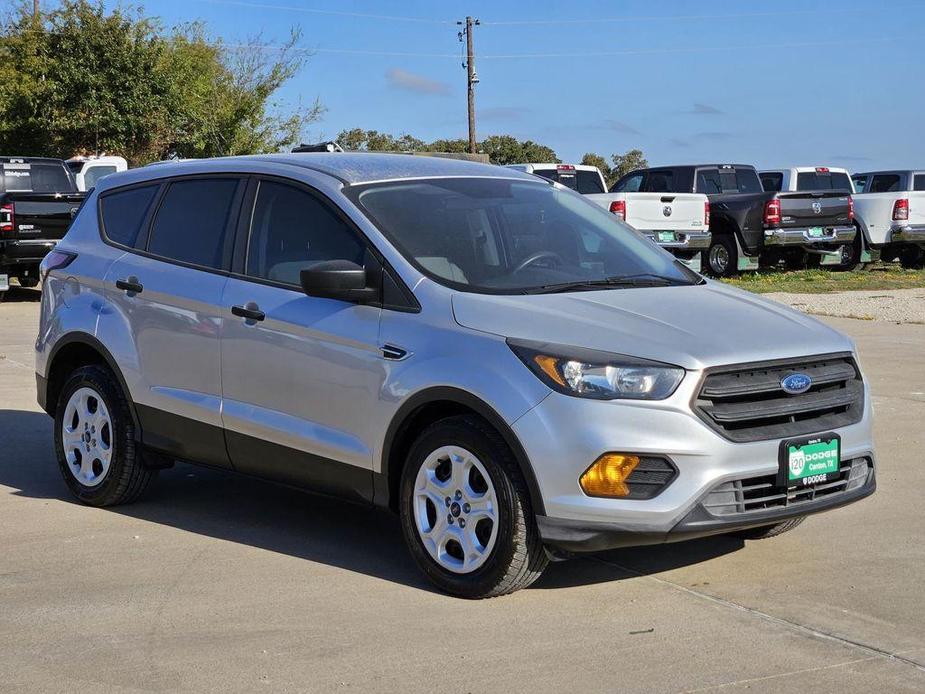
column 772, row 84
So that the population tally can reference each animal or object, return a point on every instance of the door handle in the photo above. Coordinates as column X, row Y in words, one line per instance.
column 249, row 311
column 130, row 285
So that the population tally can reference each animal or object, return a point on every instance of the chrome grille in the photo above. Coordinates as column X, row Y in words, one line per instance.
column 747, row 402
column 763, row 493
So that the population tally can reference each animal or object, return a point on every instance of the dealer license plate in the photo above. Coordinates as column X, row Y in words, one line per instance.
column 809, row 460
column 666, row 237
column 816, row 232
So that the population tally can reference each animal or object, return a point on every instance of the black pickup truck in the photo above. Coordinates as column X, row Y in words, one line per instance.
column 38, row 199
column 748, row 225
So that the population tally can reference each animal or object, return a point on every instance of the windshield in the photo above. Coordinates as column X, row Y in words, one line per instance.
column 502, row 236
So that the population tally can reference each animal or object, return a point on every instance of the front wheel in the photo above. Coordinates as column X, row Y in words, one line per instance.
column 722, row 258
column 466, row 513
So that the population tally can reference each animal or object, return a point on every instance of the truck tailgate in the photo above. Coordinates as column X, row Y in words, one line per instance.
column 814, row 209
column 41, row 215
column 659, row 211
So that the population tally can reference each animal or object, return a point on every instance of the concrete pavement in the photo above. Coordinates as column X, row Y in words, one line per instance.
column 215, row 582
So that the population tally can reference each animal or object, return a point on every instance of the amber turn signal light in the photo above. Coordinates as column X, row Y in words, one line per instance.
column 607, row 475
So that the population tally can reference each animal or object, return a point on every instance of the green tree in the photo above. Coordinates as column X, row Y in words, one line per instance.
column 592, row 159
column 625, row 163
column 81, row 80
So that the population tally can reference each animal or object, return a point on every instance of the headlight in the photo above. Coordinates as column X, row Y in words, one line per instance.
column 586, row 373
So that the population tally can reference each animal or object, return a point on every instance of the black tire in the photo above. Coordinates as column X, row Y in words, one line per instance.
column 722, row 258
column 29, row 282
column 851, row 255
column 912, row 257
column 517, row 558
column 127, row 478
column 765, row 531
column 795, row 261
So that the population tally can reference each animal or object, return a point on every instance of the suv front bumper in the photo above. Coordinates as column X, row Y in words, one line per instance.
column 831, row 236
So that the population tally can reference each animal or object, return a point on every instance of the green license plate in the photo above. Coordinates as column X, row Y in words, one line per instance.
column 666, row 237
column 816, row 232
column 809, row 460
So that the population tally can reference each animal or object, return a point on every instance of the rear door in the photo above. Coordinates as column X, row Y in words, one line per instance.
column 301, row 375
column 168, row 288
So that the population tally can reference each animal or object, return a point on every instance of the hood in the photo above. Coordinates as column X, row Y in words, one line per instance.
column 693, row 326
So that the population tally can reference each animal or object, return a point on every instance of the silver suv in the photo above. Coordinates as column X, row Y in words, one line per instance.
column 504, row 364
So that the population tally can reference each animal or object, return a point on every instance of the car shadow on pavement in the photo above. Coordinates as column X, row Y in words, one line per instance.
column 235, row 508
column 21, row 295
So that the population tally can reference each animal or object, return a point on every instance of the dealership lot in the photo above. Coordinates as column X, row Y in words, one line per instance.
column 214, row 581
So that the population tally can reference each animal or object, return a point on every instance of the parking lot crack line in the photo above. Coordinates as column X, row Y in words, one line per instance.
column 752, row 680
column 872, row 651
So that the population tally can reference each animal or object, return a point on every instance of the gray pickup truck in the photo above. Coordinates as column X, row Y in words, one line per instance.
column 38, row 199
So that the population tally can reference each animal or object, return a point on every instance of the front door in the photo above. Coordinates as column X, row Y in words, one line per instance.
column 301, row 375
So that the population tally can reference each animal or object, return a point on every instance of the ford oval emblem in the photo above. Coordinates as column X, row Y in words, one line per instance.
column 794, row 384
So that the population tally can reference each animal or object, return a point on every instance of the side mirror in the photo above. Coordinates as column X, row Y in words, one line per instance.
column 338, row 279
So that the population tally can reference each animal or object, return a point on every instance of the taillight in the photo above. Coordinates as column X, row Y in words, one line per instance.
column 55, row 260
column 772, row 212
column 901, row 210
column 706, row 214
column 618, row 207
column 850, row 209
column 7, row 217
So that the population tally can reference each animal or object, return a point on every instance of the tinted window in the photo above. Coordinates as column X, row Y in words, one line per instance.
column 566, row 178
column 772, row 182
column 292, row 230
column 709, row 181
column 746, row 181
column 629, row 185
column 859, row 182
column 822, row 180
column 508, row 237
column 95, row 173
column 36, row 178
column 192, row 221
column 589, row 182
column 885, row 183
column 124, row 212
column 659, row 182
column 919, row 182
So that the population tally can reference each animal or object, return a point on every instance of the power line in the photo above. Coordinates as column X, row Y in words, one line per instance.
column 630, row 18
column 336, row 13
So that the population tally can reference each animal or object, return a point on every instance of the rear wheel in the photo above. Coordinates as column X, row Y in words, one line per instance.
column 95, row 440
column 851, row 255
column 766, row 531
column 465, row 511
column 912, row 257
column 722, row 257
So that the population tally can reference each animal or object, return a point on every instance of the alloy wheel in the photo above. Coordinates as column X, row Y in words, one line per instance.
column 86, row 434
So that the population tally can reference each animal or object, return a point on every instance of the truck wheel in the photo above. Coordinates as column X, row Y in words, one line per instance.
column 29, row 282
column 722, row 257
column 95, row 440
column 912, row 257
column 465, row 511
column 763, row 532
column 851, row 255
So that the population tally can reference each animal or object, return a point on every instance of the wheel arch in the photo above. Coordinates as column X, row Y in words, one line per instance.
column 431, row 405
column 78, row 349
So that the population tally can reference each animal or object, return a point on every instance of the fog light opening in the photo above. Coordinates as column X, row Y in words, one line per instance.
column 607, row 475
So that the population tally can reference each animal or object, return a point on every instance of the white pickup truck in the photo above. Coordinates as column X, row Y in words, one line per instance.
column 801, row 179
column 88, row 170
column 889, row 207
column 678, row 222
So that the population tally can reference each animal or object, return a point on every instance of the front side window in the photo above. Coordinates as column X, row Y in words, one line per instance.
column 293, row 230
column 510, row 237
column 191, row 224
column 124, row 211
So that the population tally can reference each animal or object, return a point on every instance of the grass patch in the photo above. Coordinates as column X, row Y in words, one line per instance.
column 879, row 276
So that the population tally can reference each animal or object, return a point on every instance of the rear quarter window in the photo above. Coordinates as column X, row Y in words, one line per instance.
column 124, row 211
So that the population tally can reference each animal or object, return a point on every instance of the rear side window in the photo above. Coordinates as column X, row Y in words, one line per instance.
column 659, row 182
column 629, row 185
column 772, row 182
column 919, row 182
column 123, row 212
column 885, row 183
column 292, row 230
column 191, row 224
column 822, row 180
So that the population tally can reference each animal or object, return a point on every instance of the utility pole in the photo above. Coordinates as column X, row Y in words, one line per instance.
column 35, row 10
column 472, row 79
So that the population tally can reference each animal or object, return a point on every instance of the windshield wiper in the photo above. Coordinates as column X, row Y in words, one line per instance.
column 644, row 279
